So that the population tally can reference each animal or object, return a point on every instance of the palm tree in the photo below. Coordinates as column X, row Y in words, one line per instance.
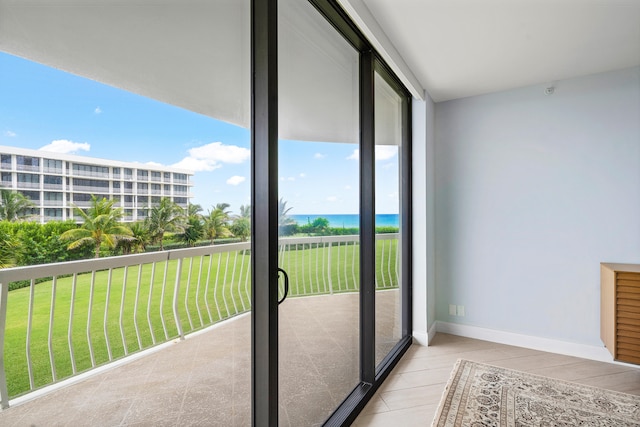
column 241, row 226
column 9, row 247
column 166, row 216
column 194, row 210
column 13, row 205
column 245, row 211
column 286, row 224
column 283, row 211
column 193, row 231
column 215, row 223
column 101, row 225
column 138, row 240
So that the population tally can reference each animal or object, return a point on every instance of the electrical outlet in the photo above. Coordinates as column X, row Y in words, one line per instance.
column 452, row 310
column 461, row 310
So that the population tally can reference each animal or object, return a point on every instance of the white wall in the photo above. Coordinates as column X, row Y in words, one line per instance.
column 423, row 185
column 532, row 193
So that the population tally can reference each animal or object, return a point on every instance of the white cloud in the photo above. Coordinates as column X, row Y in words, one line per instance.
column 319, row 156
column 211, row 156
column 98, row 110
column 332, row 199
column 10, row 134
column 156, row 164
column 236, row 179
column 302, row 175
column 383, row 152
column 65, row 146
column 347, row 187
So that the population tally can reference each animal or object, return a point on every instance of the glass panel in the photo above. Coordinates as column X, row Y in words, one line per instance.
column 388, row 138
column 168, row 102
column 318, row 189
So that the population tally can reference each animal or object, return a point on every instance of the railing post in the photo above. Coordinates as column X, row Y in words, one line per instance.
column 176, row 291
column 4, row 393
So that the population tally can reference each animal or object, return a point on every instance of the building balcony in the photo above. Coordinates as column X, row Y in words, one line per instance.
column 52, row 170
column 47, row 203
column 29, row 185
column 52, row 186
column 28, row 168
column 90, row 189
column 76, row 172
column 177, row 326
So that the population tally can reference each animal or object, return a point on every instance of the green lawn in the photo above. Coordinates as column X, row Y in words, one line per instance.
column 218, row 288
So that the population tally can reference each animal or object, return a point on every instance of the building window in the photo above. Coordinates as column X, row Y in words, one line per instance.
column 90, row 170
column 34, row 196
column 116, row 186
column 180, row 177
column 5, row 160
column 52, row 181
column 51, row 165
column 27, row 163
column 128, row 173
column 53, row 213
column 28, row 180
column 7, row 179
column 143, row 200
column 143, row 175
column 92, row 184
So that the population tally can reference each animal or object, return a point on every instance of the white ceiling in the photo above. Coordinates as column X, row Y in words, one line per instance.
column 459, row 48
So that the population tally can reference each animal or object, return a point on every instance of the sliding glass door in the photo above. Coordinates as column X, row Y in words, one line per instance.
column 318, row 215
column 331, row 247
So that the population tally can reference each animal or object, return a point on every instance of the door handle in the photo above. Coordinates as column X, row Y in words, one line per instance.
column 286, row 284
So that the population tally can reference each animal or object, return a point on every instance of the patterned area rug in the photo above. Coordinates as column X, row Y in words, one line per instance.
column 482, row 395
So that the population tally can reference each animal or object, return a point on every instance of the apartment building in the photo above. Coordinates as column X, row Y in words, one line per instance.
column 55, row 183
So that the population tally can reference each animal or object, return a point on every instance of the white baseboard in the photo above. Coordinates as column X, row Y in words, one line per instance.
column 424, row 338
column 420, row 338
column 528, row 341
column 432, row 331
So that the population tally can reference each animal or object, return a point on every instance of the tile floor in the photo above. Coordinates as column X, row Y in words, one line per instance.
column 205, row 380
column 410, row 395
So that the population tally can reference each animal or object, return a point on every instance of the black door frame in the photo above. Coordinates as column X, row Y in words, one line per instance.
column 264, row 196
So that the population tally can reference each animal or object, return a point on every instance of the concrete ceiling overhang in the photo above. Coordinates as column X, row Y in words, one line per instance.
column 459, row 48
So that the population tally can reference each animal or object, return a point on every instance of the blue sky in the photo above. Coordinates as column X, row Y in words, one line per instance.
column 44, row 107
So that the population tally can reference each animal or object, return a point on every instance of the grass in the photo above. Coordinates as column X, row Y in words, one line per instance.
column 227, row 294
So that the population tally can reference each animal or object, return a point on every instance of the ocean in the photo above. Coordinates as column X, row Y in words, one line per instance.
column 349, row 220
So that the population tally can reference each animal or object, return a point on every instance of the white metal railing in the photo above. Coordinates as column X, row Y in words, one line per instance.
column 31, row 168
column 74, row 316
column 22, row 184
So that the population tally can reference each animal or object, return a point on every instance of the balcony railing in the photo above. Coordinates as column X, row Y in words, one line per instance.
column 48, row 186
column 90, row 189
column 48, row 169
column 30, row 168
column 73, row 317
column 52, row 202
column 79, row 172
column 28, row 184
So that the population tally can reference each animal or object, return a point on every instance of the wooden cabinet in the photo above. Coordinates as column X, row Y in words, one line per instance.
column 620, row 310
